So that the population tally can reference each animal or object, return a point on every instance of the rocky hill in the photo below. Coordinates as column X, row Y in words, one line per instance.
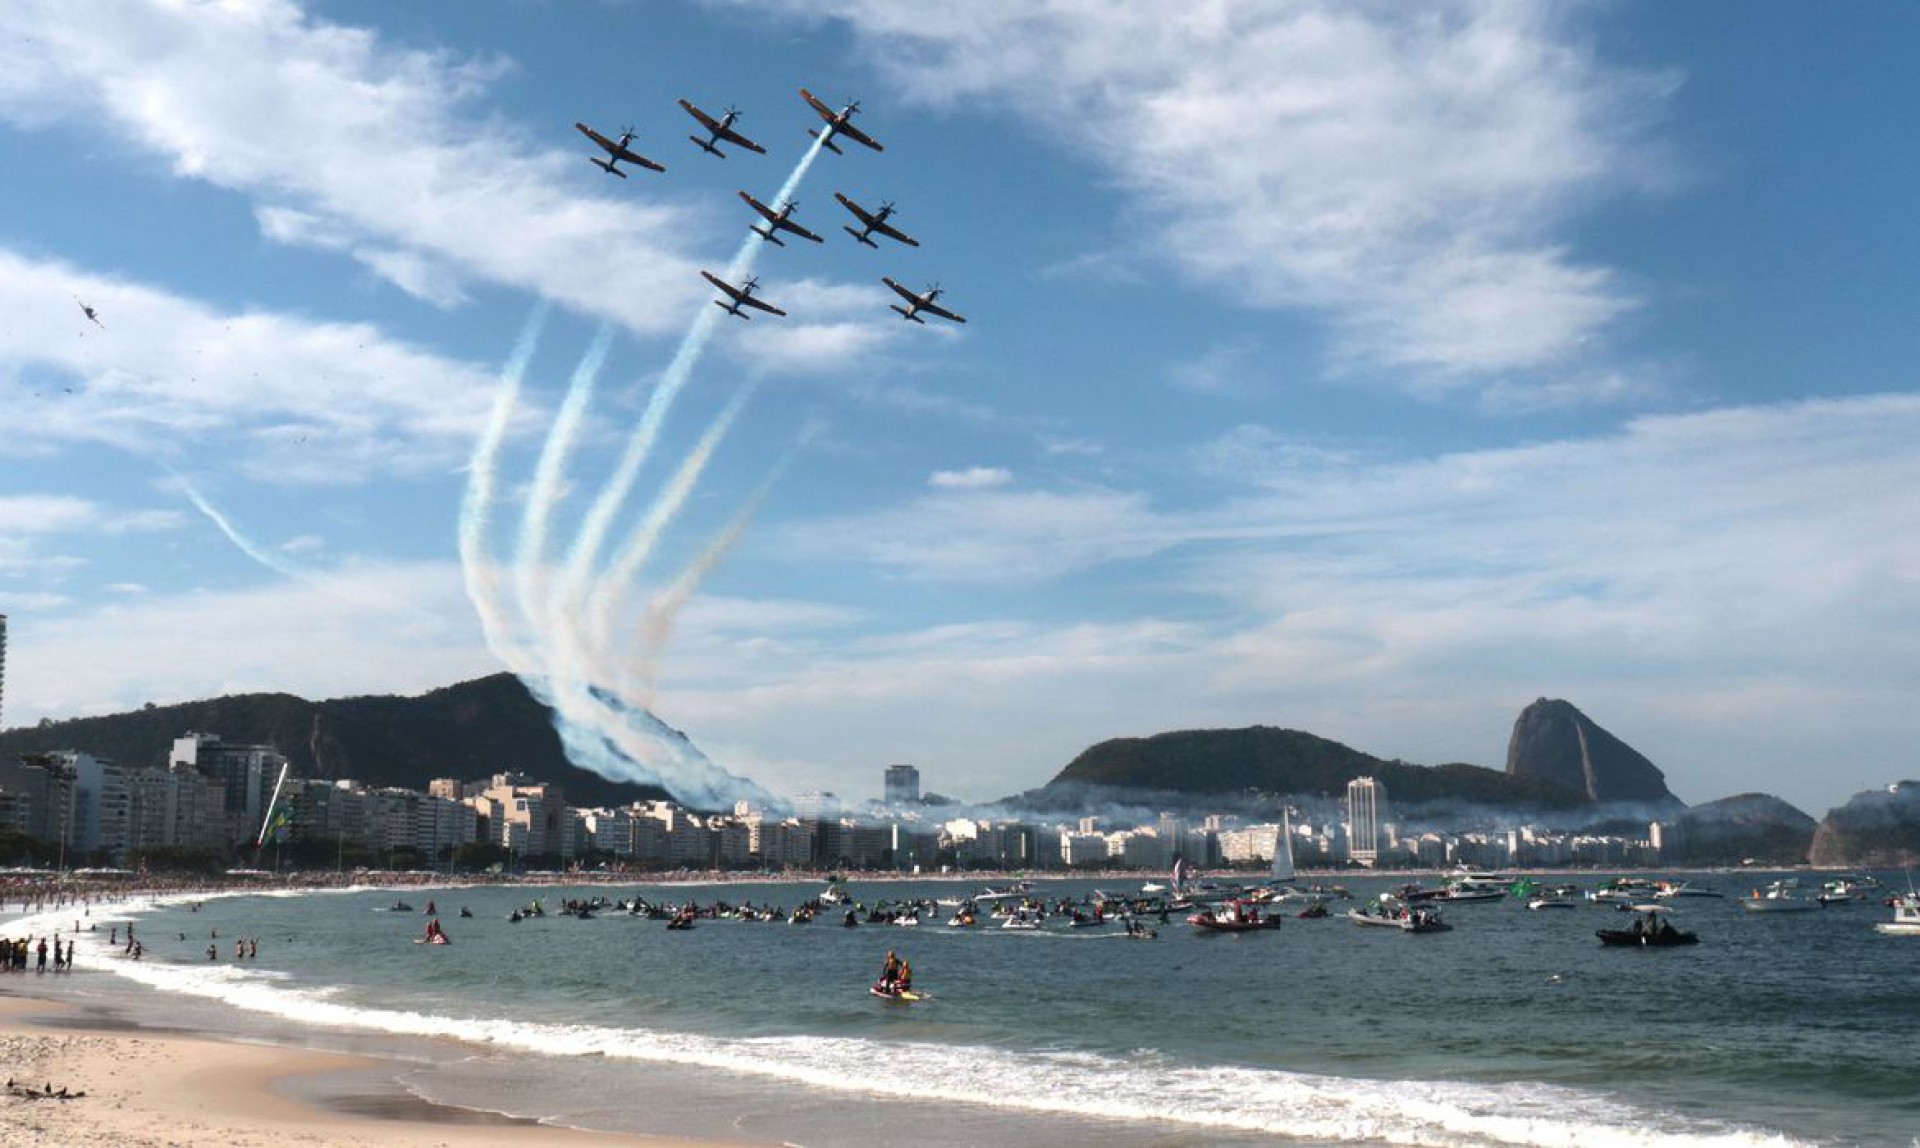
column 1261, row 760
column 1878, row 829
column 1754, row 827
column 469, row 731
column 1556, row 745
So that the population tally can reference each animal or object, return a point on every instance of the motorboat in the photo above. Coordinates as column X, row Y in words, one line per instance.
column 1778, row 897
column 1233, row 917
column 1550, row 901
column 1625, row 891
column 1650, row 930
column 1906, row 917
column 1669, row 890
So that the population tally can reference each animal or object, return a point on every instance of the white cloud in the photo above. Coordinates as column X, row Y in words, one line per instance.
column 1406, row 172
column 351, row 144
column 972, row 478
column 367, row 629
column 292, row 400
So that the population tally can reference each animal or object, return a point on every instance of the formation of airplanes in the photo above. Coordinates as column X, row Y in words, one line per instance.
column 838, row 125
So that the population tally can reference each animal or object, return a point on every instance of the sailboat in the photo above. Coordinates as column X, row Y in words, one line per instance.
column 1283, row 850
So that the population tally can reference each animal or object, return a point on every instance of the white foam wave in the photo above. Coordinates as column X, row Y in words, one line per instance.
column 1145, row 1087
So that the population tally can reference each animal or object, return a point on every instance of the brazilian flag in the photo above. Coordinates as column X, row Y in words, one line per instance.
column 277, row 826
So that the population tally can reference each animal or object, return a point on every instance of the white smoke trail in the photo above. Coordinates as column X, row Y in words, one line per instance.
column 625, row 566
column 664, row 609
column 476, row 507
column 240, row 541
column 536, row 519
column 576, row 677
column 593, row 534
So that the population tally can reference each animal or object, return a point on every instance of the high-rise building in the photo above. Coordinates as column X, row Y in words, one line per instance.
column 1366, row 811
column 903, row 785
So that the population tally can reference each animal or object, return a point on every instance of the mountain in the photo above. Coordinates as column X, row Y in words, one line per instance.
column 1261, row 760
column 468, row 731
column 1878, row 829
column 1556, row 745
column 1754, row 827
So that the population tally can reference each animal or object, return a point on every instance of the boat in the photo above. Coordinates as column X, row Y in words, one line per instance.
column 1668, row 890
column 887, row 992
column 436, row 939
column 1234, row 917
column 1624, row 891
column 1906, row 917
column 1778, row 897
column 1847, row 890
column 1550, row 901
column 1650, row 931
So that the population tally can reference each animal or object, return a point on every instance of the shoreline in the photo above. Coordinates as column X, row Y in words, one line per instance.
column 163, row 1089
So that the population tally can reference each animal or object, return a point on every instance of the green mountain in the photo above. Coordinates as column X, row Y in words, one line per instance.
column 1878, row 829
column 468, row 731
column 1754, row 827
column 1261, row 760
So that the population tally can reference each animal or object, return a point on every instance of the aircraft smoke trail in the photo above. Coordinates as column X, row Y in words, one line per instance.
column 600, row 518
column 666, row 507
column 476, row 508
column 599, row 728
column 245, row 545
column 664, row 610
column 530, row 554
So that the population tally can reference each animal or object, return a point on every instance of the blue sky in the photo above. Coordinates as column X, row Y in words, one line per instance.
column 1352, row 368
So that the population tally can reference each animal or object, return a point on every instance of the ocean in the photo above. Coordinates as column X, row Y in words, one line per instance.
column 1517, row 1027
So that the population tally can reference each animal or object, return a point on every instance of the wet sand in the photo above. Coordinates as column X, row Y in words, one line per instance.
column 149, row 1089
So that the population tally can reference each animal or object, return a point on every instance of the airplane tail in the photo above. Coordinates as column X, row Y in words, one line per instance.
column 768, row 235
column 827, row 142
column 859, row 238
column 734, row 310
column 606, row 166
column 906, row 314
column 707, row 146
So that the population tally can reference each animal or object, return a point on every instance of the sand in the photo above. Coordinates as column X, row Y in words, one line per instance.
column 148, row 1090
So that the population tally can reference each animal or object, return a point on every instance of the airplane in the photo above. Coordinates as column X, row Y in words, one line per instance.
column 924, row 301
column 837, row 124
column 91, row 314
column 720, row 129
column 872, row 222
column 739, row 295
column 617, row 152
column 778, row 221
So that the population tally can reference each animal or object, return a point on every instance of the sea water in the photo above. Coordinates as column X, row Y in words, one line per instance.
column 1517, row 1027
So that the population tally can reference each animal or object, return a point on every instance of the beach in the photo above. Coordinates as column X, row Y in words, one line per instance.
column 159, row 1090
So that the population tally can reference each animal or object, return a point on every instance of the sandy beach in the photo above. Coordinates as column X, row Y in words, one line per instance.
column 145, row 1090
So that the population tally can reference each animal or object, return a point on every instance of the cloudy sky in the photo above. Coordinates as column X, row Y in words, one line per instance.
column 1355, row 368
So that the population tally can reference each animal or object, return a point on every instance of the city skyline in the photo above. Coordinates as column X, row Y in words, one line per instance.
column 1325, row 368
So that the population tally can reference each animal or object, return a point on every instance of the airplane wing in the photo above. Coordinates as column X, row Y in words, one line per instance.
column 730, row 289
column 826, row 113
column 902, row 291
column 855, row 134
column 937, row 309
column 892, row 232
column 859, row 213
column 762, row 305
column 734, row 137
column 706, row 121
column 766, row 212
column 635, row 157
column 606, row 144
column 790, row 225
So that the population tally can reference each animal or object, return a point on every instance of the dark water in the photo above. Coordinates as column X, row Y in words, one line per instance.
column 1516, row 1027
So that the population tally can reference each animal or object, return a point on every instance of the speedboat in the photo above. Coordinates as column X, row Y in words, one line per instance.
column 1233, row 917
column 1650, row 931
column 1906, row 917
column 1779, row 897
